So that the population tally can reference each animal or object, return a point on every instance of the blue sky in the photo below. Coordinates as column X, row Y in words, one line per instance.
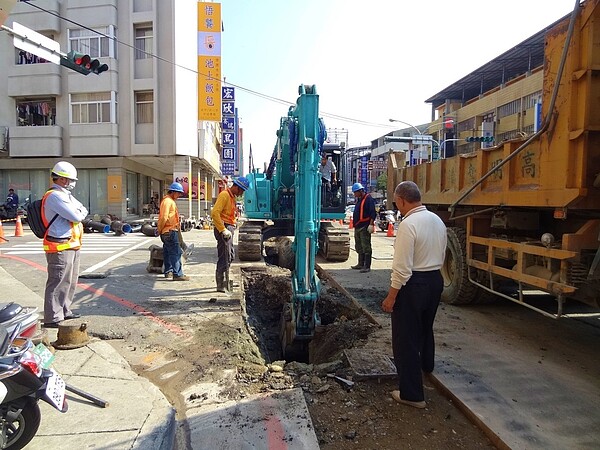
column 370, row 60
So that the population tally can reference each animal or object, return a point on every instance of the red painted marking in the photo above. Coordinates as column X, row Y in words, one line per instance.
column 274, row 427
column 126, row 303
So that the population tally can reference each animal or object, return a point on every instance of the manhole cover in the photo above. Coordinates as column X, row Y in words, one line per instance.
column 367, row 364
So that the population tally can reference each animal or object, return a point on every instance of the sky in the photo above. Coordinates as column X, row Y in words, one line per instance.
column 370, row 60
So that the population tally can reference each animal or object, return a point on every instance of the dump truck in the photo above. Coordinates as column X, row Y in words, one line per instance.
column 524, row 214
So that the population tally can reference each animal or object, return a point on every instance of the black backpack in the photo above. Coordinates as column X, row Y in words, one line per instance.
column 34, row 219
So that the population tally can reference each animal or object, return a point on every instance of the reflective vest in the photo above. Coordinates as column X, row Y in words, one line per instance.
column 361, row 216
column 73, row 243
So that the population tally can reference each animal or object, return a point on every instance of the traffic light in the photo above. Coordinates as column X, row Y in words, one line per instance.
column 82, row 63
column 480, row 139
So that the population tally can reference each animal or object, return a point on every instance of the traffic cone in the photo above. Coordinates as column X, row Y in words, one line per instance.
column 18, row 227
column 351, row 224
column 390, row 230
column 2, row 239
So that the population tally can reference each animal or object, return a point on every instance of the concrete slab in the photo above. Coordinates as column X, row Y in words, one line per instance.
column 260, row 421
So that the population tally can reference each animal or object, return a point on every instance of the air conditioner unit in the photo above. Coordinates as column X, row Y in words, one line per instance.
column 3, row 138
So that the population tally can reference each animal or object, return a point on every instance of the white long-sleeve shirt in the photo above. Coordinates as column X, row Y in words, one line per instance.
column 420, row 245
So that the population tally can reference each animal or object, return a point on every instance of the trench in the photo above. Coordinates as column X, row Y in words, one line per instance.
column 267, row 289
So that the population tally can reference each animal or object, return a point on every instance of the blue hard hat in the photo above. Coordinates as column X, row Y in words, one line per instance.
column 357, row 187
column 242, row 182
column 176, row 187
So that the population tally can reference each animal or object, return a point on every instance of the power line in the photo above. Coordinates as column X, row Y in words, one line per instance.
column 244, row 89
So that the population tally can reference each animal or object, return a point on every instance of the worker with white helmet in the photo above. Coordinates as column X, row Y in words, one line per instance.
column 168, row 229
column 63, row 213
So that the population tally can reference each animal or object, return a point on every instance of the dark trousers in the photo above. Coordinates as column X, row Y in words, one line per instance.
column 412, row 331
column 224, row 249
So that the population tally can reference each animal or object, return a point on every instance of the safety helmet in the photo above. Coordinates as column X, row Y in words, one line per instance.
column 176, row 187
column 65, row 169
column 357, row 187
column 242, row 182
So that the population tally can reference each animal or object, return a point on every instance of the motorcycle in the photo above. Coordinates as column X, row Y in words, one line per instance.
column 13, row 315
column 386, row 217
column 23, row 382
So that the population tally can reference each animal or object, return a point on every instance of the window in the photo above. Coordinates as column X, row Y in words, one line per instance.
column 95, row 107
column 144, row 107
column 97, row 42
column 143, row 42
column 36, row 112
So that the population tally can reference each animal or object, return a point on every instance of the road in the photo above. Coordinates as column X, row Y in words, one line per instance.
column 546, row 372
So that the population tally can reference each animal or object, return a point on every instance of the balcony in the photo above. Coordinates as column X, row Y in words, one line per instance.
column 28, row 80
column 35, row 18
column 35, row 141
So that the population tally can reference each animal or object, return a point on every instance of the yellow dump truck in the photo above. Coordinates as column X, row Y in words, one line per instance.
column 525, row 213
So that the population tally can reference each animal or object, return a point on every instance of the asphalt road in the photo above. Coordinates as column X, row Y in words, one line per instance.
column 533, row 381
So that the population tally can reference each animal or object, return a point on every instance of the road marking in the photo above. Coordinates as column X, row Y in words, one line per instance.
column 91, row 245
column 113, row 257
column 173, row 328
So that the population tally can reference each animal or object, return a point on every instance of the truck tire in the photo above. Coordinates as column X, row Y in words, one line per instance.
column 458, row 290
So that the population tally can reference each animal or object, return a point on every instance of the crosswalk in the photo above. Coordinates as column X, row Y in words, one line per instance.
column 92, row 244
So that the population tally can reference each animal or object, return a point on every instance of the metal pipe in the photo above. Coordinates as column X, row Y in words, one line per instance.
column 96, row 226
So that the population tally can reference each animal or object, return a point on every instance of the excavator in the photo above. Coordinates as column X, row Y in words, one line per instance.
column 290, row 199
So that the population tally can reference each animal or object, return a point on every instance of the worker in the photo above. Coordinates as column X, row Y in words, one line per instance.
column 415, row 291
column 9, row 209
column 364, row 225
column 62, row 243
column 328, row 173
column 168, row 229
column 224, row 219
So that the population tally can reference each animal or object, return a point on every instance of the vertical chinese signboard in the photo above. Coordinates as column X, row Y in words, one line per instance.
column 229, row 126
column 209, row 61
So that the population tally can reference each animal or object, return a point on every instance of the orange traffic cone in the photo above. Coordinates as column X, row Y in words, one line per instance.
column 18, row 227
column 2, row 239
column 351, row 224
column 390, row 230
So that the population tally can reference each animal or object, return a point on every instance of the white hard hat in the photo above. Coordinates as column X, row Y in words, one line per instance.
column 65, row 169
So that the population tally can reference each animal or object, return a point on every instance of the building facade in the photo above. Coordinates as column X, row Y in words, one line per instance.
column 130, row 131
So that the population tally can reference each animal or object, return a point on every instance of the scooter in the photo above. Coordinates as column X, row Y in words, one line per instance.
column 13, row 315
column 23, row 382
column 386, row 217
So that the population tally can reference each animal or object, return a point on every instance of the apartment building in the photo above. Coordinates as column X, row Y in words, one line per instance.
column 130, row 131
column 499, row 101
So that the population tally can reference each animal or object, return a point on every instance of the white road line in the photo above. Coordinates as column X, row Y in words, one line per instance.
column 113, row 257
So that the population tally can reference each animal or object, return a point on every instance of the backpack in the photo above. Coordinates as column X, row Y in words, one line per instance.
column 35, row 221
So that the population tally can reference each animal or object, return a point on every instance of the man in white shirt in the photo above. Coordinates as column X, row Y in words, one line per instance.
column 328, row 176
column 415, row 292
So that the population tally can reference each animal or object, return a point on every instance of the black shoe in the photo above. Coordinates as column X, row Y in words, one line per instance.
column 50, row 325
column 73, row 316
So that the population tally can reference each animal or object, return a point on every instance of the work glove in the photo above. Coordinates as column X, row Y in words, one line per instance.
column 226, row 234
column 371, row 229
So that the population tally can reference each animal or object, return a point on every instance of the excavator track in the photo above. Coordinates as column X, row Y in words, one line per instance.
column 250, row 242
column 334, row 242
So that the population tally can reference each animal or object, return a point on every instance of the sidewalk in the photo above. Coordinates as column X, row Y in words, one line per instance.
column 138, row 416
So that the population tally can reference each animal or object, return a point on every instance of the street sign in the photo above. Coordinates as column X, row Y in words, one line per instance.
column 35, row 43
column 370, row 165
column 422, row 139
column 6, row 7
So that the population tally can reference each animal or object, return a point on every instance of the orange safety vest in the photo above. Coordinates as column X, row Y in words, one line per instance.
column 361, row 217
column 74, row 242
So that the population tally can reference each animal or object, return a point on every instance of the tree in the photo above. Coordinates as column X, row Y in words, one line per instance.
column 382, row 183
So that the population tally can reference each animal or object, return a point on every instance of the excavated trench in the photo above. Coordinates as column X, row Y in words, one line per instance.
column 268, row 288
